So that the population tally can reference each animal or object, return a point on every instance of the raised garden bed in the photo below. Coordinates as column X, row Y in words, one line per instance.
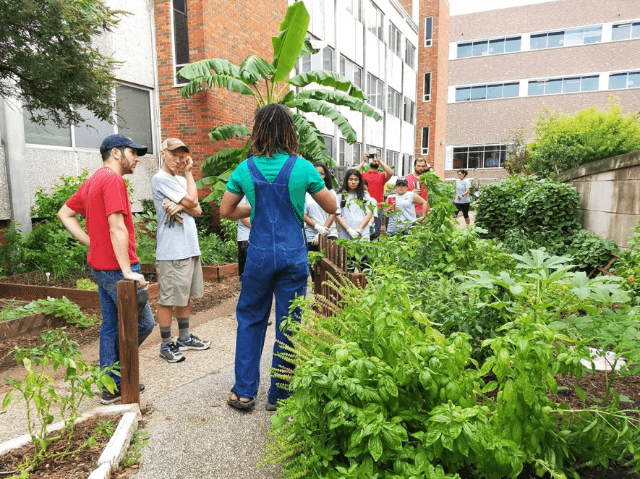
column 29, row 325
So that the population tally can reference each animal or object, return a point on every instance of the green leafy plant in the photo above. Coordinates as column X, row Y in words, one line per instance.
column 213, row 250
column 133, row 454
column 590, row 250
column 38, row 391
column 59, row 307
column 270, row 83
column 86, row 284
column 146, row 229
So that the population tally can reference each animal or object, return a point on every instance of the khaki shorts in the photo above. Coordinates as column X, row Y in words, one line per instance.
column 179, row 281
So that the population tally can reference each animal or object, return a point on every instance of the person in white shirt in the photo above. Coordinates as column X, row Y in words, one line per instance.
column 403, row 216
column 462, row 199
column 355, row 208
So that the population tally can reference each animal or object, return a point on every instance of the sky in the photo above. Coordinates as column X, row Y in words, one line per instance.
column 461, row 7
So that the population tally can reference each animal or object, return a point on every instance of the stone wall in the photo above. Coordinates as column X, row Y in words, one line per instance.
column 609, row 195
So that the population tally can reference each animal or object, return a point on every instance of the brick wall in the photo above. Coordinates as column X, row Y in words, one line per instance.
column 433, row 59
column 216, row 30
column 481, row 176
column 539, row 17
column 408, row 6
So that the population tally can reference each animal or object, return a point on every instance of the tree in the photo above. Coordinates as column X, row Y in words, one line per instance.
column 288, row 46
column 562, row 142
column 47, row 59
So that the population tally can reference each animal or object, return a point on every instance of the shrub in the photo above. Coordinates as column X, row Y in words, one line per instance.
column 213, row 250
column 562, row 142
column 590, row 250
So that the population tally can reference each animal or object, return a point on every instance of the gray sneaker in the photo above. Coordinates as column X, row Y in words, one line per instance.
column 192, row 342
column 171, row 353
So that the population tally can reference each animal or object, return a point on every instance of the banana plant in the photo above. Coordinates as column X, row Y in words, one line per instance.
column 271, row 83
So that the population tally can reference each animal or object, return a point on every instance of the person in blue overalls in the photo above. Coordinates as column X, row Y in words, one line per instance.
column 275, row 181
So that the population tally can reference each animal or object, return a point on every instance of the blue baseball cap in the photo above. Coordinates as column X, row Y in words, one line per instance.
column 402, row 181
column 119, row 140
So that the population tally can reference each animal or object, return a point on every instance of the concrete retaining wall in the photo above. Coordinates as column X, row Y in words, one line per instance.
column 609, row 195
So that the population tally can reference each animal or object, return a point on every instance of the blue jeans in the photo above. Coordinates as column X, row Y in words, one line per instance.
column 109, row 344
column 375, row 234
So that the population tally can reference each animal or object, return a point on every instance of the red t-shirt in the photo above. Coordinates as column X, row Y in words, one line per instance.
column 411, row 178
column 104, row 194
column 376, row 183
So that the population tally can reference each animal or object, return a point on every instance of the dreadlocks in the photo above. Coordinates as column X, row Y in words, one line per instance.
column 273, row 131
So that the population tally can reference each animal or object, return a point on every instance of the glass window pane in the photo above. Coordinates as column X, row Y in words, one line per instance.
column 343, row 68
column 428, row 28
column 475, row 157
column 478, row 92
column 496, row 46
column 328, row 143
column 504, row 156
column 555, row 39
column 492, row 157
column 49, row 134
column 539, row 41
column 536, row 88
column 634, row 80
column 134, row 115
column 427, row 84
column 480, row 48
column 592, row 34
column 619, row 80
column 91, row 133
column 512, row 44
column 306, row 63
column 635, row 30
column 462, row 94
column 571, row 85
column 511, row 90
column 425, row 138
column 552, row 86
column 494, row 91
column 590, row 83
column 464, row 50
column 327, row 59
column 573, row 37
column 357, row 76
column 621, row 32
column 180, row 32
column 460, row 157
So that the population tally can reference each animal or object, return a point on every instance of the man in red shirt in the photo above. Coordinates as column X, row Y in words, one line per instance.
column 103, row 201
column 420, row 165
column 376, row 180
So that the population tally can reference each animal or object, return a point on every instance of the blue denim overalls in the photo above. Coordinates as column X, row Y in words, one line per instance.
column 276, row 264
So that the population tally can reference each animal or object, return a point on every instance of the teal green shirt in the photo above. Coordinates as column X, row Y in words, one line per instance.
column 304, row 177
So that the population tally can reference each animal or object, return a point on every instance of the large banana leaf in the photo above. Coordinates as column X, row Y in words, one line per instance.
column 311, row 142
column 204, row 68
column 227, row 132
column 321, row 108
column 337, row 98
column 224, row 160
column 219, row 185
column 329, row 79
column 253, row 69
column 288, row 43
column 307, row 49
column 217, row 81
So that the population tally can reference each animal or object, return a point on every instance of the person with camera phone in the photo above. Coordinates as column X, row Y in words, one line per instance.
column 376, row 180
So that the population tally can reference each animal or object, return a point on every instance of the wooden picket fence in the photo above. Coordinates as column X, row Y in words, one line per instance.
column 333, row 265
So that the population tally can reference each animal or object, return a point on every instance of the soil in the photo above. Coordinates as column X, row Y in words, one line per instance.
column 40, row 279
column 76, row 466
column 214, row 294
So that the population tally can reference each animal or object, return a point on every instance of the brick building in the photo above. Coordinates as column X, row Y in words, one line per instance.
column 507, row 65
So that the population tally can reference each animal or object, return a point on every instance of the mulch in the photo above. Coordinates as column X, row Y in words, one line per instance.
column 76, row 466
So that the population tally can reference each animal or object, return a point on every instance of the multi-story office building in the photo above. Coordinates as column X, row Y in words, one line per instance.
column 506, row 66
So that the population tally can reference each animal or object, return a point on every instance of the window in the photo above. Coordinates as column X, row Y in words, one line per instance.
column 343, row 147
column 376, row 93
column 483, row 156
column 133, row 118
column 428, row 31
column 349, row 154
column 180, row 38
column 375, row 22
column 351, row 71
column 491, row 47
column 353, row 7
column 328, row 143
column 407, row 164
column 394, row 102
column 564, row 85
column 624, row 80
column 395, row 39
column 392, row 159
column 488, row 92
column 425, row 140
column 567, row 38
column 625, row 31
column 426, row 88
column 410, row 55
column 409, row 107
column 322, row 60
column 357, row 153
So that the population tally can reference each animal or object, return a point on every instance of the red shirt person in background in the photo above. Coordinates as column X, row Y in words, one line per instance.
column 376, row 180
column 420, row 166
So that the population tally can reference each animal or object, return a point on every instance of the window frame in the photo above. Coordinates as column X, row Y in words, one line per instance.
column 426, row 97
column 410, row 54
column 501, row 148
column 393, row 102
column 412, row 105
column 354, row 65
column 176, row 67
column 425, row 151
column 489, row 41
column 395, row 39
column 428, row 40
column 379, row 94
column 378, row 29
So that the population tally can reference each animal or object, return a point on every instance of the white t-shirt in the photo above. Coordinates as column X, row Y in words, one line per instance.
column 353, row 213
column 461, row 187
column 318, row 215
column 404, row 214
column 243, row 230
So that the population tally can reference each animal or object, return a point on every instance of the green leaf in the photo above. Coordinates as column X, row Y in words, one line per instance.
column 329, row 79
column 227, row 132
column 307, row 49
column 203, row 68
column 288, row 44
column 375, row 447
column 215, row 81
column 278, row 421
column 253, row 69
column 580, row 393
column 321, row 108
column 311, row 141
column 224, row 160
column 340, row 99
column 593, row 424
column 7, row 400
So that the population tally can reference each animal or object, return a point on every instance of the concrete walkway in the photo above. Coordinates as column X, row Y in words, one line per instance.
column 192, row 432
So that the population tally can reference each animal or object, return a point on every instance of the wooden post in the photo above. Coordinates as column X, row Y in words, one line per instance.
column 128, row 339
